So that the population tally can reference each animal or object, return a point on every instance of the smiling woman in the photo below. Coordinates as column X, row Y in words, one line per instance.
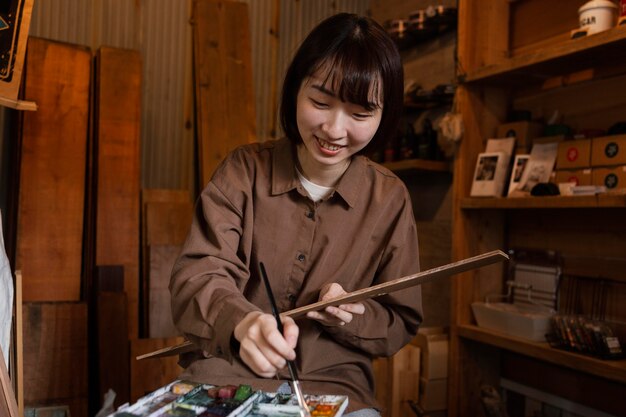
column 321, row 217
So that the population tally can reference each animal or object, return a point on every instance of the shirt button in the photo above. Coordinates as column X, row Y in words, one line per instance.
column 310, row 214
column 301, row 257
column 292, row 298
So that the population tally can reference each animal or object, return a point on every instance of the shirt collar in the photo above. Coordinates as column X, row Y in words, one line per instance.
column 285, row 178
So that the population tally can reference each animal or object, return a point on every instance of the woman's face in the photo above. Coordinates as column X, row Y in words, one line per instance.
column 333, row 130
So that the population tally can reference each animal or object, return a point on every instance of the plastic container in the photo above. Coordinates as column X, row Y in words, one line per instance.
column 597, row 16
column 523, row 321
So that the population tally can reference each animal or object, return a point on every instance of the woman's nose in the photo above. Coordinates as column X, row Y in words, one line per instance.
column 335, row 125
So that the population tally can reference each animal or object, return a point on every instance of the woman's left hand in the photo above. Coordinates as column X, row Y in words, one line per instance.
column 339, row 315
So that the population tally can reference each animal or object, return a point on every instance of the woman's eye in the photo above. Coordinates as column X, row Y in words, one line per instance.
column 361, row 116
column 319, row 104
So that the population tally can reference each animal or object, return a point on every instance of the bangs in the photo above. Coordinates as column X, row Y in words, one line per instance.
column 353, row 77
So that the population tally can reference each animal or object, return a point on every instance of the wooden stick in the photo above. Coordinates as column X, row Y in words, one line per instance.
column 8, row 405
column 370, row 292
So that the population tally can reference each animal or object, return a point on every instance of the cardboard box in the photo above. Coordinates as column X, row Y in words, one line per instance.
column 579, row 176
column 574, row 154
column 612, row 178
column 433, row 343
column 433, row 394
column 549, row 139
column 524, row 132
column 608, row 151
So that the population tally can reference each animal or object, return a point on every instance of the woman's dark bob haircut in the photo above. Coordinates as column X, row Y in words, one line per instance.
column 361, row 64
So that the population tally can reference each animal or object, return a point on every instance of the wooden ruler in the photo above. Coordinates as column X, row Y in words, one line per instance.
column 366, row 293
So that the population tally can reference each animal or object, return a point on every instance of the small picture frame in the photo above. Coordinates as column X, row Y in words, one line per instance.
column 519, row 164
column 490, row 174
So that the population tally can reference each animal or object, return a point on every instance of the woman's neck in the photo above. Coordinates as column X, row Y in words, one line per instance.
column 317, row 173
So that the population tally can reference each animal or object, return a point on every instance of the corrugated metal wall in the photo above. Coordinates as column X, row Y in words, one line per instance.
column 160, row 29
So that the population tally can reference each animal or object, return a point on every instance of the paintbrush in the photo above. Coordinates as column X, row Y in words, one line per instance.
column 295, row 382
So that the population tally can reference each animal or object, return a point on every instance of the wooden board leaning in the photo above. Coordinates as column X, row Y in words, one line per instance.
column 369, row 292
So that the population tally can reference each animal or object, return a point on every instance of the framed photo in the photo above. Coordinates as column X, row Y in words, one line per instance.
column 519, row 164
column 490, row 174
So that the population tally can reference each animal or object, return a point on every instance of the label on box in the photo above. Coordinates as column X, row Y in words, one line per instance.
column 577, row 176
column 611, row 178
column 608, row 150
column 574, row 154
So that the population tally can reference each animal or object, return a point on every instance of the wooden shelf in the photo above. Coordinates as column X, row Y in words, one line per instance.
column 556, row 202
column 594, row 51
column 611, row 369
column 418, row 165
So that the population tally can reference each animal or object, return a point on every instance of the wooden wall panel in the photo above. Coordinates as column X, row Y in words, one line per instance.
column 110, row 364
column 52, row 174
column 168, row 223
column 225, row 109
column 535, row 22
column 162, row 258
column 55, row 355
column 118, row 105
column 165, row 221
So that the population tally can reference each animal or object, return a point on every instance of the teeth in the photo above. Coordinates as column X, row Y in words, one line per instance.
column 327, row 145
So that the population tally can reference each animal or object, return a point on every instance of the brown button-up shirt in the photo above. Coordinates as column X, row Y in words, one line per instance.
column 254, row 210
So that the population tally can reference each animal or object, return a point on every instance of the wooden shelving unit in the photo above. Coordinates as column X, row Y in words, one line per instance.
column 597, row 51
column 611, row 369
column 587, row 201
column 418, row 165
column 506, row 52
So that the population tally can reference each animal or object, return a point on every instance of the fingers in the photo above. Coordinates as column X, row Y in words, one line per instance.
column 262, row 347
column 290, row 332
column 335, row 315
column 330, row 291
column 339, row 315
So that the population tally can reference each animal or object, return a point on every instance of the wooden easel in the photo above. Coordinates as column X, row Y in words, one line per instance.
column 8, row 404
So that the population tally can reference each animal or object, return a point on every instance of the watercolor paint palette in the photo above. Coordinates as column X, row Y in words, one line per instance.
column 191, row 399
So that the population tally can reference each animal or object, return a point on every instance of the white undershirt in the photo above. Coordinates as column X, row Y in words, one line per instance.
column 316, row 192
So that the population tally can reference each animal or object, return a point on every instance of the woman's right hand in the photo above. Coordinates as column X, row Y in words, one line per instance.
column 262, row 347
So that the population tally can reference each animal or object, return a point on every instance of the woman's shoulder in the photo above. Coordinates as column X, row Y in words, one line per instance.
column 374, row 179
column 381, row 175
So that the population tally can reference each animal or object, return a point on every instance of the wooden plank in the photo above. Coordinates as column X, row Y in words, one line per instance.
column 225, row 105
column 485, row 30
column 404, row 282
column 19, row 344
column 112, row 355
column 167, row 223
column 52, row 176
column 162, row 258
column 17, row 15
column 150, row 374
column 150, row 197
column 118, row 118
column 55, row 355
column 398, row 284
